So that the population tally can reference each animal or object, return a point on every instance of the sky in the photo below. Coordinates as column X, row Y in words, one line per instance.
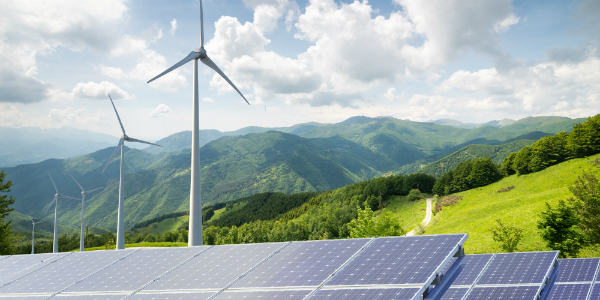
column 296, row 61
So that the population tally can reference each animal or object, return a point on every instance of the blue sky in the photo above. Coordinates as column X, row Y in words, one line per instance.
column 296, row 61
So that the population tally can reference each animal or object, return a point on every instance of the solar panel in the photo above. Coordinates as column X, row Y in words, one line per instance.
column 173, row 296
column 217, row 267
column 91, row 297
column 61, row 274
column 454, row 294
column 577, row 269
column 264, row 295
column 569, row 291
column 23, row 297
column 503, row 293
column 518, row 268
column 404, row 260
column 367, row 294
column 302, row 264
column 473, row 265
column 136, row 270
column 595, row 294
column 16, row 266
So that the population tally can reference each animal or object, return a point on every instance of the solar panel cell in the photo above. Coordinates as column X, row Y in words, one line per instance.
column 473, row 265
column 366, row 294
column 136, row 270
column 16, row 266
column 518, row 268
column 264, row 295
column 503, row 293
column 405, row 260
column 577, row 269
column 454, row 294
column 569, row 291
column 91, row 297
column 61, row 274
column 302, row 264
column 173, row 296
column 216, row 267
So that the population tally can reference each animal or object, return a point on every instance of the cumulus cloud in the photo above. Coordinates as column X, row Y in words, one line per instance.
column 563, row 88
column 268, row 12
column 390, row 95
column 208, row 100
column 173, row 27
column 112, row 72
column 92, row 90
column 32, row 28
column 150, row 64
column 160, row 111
column 353, row 49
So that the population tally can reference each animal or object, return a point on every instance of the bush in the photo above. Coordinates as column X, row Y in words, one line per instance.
column 150, row 238
column 373, row 203
column 559, row 229
column 507, row 235
column 446, row 201
column 414, row 195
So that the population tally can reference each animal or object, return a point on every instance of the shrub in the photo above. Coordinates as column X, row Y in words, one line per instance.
column 507, row 235
column 414, row 195
column 506, row 189
column 446, row 201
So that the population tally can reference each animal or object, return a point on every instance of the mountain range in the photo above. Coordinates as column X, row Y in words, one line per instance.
column 305, row 157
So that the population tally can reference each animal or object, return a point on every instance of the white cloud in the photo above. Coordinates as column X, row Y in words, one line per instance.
column 208, row 100
column 390, row 95
column 503, row 25
column 116, row 73
column 173, row 27
column 36, row 27
column 92, row 90
column 268, row 12
column 561, row 88
column 160, row 111
column 150, row 64
column 352, row 50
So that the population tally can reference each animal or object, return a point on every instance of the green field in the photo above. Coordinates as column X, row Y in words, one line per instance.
column 410, row 213
column 480, row 207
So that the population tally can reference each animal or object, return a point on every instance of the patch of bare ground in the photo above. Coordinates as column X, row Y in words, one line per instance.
column 446, row 201
column 506, row 189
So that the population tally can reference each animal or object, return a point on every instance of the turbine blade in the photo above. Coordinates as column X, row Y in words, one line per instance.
column 120, row 123
column 63, row 196
column 201, row 26
column 53, row 183
column 94, row 190
column 140, row 141
column 77, row 182
column 207, row 61
column 47, row 208
column 113, row 155
column 30, row 219
column 190, row 56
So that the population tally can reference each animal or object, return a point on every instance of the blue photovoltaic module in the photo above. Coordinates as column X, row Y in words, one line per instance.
column 405, row 260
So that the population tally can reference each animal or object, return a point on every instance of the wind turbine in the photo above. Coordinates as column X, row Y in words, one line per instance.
column 121, row 145
column 55, row 201
column 195, row 233
column 33, row 233
column 83, row 193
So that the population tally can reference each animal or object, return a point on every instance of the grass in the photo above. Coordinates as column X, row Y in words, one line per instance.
column 222, row 212
column 164, row 225
column 410, row 213
column 480, row 207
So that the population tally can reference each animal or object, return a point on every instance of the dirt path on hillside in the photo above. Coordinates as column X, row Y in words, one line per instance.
column 427, row 217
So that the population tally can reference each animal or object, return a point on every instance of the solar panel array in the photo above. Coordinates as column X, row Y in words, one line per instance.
column 381, row 268
column 574, row 279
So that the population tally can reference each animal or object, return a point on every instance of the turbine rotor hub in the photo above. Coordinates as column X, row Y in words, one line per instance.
column 202, row 52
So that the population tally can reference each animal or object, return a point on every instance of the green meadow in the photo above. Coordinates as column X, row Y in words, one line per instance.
column 479, row 208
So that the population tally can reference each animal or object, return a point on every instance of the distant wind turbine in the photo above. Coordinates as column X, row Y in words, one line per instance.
column 55, row 201
column 83, row 193
column 121, row 145
column 195, row 233
column 33, row 233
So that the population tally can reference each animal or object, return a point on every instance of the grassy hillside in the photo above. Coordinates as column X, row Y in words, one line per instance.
column 480, row 207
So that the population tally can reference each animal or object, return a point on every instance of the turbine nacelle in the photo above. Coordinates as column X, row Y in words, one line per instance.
column 202, row 52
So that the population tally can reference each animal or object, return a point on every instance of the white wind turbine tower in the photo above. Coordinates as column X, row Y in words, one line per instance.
column 55, row 201
column 33, row 233
column 121, row 145
column 195, row 233
column 83, row 193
